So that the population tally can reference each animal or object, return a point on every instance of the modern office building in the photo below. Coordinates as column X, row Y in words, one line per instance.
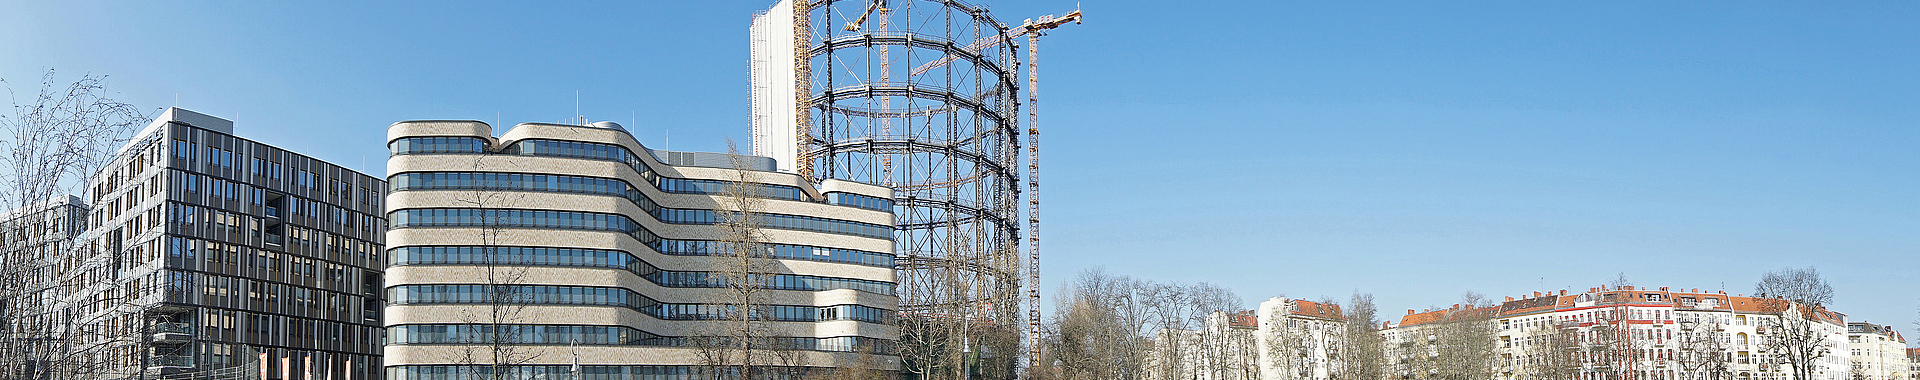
column 208, row 252
column 559, row 250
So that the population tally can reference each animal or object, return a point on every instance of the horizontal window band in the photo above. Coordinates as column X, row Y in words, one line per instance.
column 611, row 259
column 564, row 295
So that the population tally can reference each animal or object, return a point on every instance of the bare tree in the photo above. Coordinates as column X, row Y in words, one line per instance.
column 1361, row 352
column 1184, row 347
column 49, row 146
column 492, row 334
column 1551, row 352
column 1096, row 332
column 1463, row 345
column 1699, row 347
column 866, row 367
column 741, row 343
column 1795, row 300
column 1292, row 345
column 1170, row 309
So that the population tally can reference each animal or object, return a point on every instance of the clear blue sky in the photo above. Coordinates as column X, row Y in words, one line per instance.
column 1411, row 150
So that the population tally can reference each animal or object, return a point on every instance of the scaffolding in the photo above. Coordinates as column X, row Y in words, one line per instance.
column 923, row 97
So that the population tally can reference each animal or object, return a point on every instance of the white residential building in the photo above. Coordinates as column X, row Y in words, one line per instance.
column 1878, row 352
column 1624, row 333
column 1297, row 339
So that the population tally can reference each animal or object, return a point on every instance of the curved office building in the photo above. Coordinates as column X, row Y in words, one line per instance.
column 561, row 248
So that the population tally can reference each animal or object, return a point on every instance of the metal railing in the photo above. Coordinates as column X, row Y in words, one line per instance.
column 178, row 361
column 172, row 327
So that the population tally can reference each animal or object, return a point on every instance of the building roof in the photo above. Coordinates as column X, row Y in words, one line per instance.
column 1684, row 299
column 1455, row 313
column 1316, row 309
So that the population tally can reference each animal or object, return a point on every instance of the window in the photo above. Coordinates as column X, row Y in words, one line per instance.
column 433, row 145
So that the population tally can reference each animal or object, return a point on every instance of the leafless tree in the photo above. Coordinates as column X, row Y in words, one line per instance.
column 1699, row 347
column 1097, row 330
column 492, row 333
column 1292, row 345
column 866, row 367
column 1795, row 298
column 1361, row 351
column 741, row 343
column 1184, row 346
column 1551, row 352
column 1463, row 344
column 49, row 146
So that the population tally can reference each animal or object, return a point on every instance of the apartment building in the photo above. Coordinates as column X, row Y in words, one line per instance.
column 1284, row 339
column 591, row 256
column 32, row 238
column 1878, row 352
column 1298, row 339
column 1623, row 333
column 206, row 251
column 1913, row 363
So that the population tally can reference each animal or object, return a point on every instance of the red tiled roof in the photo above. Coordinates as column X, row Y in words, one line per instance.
column 1316, row 309
column 1442, row 315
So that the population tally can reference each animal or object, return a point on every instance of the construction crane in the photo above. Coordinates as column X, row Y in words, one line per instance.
column 876, row 5
column 1031, row 28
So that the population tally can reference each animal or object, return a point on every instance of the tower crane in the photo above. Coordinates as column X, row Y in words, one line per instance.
column 1031, row 28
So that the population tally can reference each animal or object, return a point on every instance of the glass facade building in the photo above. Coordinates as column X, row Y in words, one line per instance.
column 206, row 252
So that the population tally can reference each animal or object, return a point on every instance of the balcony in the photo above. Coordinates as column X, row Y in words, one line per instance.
column 172, row 333
column 276, row 240
column 169, row 363
column 272, row 212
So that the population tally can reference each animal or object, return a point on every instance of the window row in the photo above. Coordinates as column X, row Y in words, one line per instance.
column 522, row 182
column 476, row 255
column 778, row 251
column 778, row 221
column 466, row 217
column 619, row 297
column 715, row 187
column 577, row 149
column 217, row 158
column 593, row 372
column 560, row 183
column 217, row 224
column 605, row 336
column 276, row 205
column 617, row 259
column 861, row 201
column 575, row 184
column 428, row 145
column 521, row 334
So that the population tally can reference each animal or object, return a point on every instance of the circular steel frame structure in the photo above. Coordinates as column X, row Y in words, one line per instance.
column 919, row 96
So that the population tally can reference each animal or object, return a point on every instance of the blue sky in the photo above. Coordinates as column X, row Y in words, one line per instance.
column 1410, row 150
